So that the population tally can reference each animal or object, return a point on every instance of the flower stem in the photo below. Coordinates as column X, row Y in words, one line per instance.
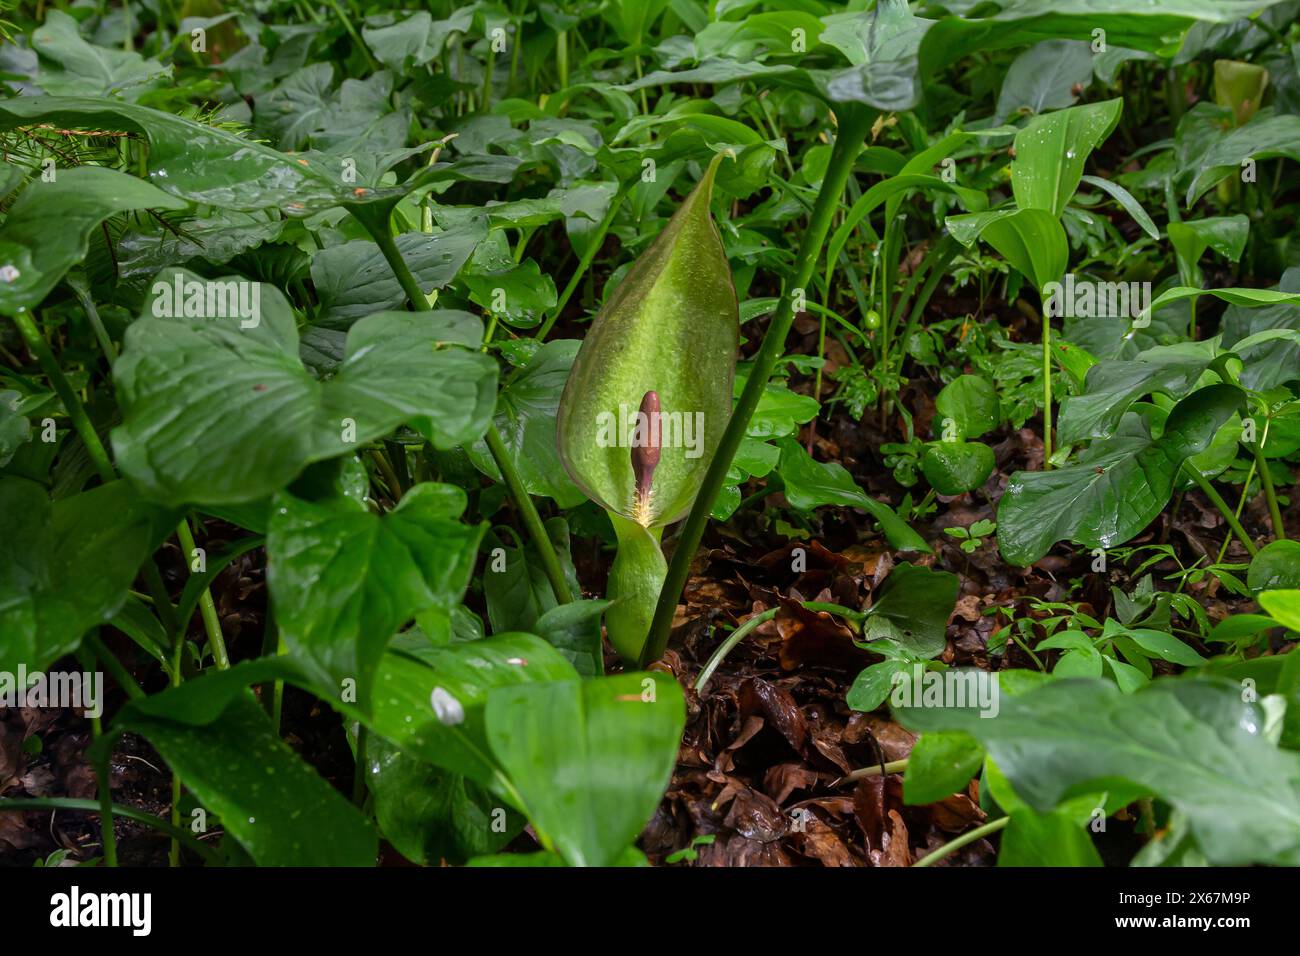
column 732, row 640
column 208, row 609
column 854, row 124
column 1270, row 494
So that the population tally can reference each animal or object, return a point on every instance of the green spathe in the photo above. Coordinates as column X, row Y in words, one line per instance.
column 671, row 327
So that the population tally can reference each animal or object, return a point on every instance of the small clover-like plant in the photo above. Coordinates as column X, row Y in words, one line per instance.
column 971, row 538
column 648, row 398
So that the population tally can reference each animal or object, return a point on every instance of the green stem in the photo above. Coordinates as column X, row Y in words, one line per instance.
column 356, row 37
column 1270, row 495
column 1047, row 390
column 121, row 810
column 1217, row 500
column 852, row 133
column 85, row 429
column 207, row 608
column 532, row 520
column 116, row 670
column 891, row 766
column 593, row 247
column 726, row 646
column 953, row 845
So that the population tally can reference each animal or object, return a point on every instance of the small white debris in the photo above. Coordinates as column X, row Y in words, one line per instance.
column 446, row 707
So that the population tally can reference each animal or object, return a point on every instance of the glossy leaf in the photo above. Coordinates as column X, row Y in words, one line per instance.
column 218, row 414
column 344, row 579
column 558, row 742
column 1115, row 488
column 1051, row 151
column 34, row 256
column 1189, row 742
column 65, row 566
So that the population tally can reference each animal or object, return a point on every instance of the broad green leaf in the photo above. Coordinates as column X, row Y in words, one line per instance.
column 871, row 687
column 1283, row 607
column 515, row 584
column 66, row 566
column 560, row 743
column 917, row 601
column 207, row 165
column 810, row 484
column 1226, row 235
column 72, row 67
column 1044, row 78
column 970, row 403
column 1032, row 240
column 520, row 296
column 1112, row 387
column 526, row 420
column 344, row 579
column 15, row 429
column 215, row 413
column 1264, row 137
column 430, row 815
column 276, row 806
column 1051, row 151
column 34, row 256
column 574, row 630
column 353, row 279
column 1116, row 487
column 955, row 467
column 940, row 765
column 1267, row 364
column 1046, row 840
column 1150, row 28
column 1190, row 742
column 1275, row 567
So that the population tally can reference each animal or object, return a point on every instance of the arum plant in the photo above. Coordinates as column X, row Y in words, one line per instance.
column 647, row 399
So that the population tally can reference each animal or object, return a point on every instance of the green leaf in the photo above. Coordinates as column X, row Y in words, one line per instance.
column 872, row 685
column 1044, row 77
column 1283, row 607
column 1112, row 387
column 66, row 566
column 574, row 630
column 1116, row 487
column 214, row 413
column 1147, row 28
column 276, row 806
column 1226, row 235
column 1032, row 240
column 214, row 167
column 558, row 741
column 1046, row 839
column 970, row 403
column 955, row 467
column 15, row 429
column 1264, row 137
column 526, row 420
column 34, row 256
column 520, row 295
column 72, row 67
column 353, row 280
column 1267, row 364
column 344, row 579
column 1190, row 742
column 515, row 584
column 430, row 815
column 917, row 601
column 940, row 765
column 1051, row 151
column 1276, row 567
column 1125, row 199
column 810, row 484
